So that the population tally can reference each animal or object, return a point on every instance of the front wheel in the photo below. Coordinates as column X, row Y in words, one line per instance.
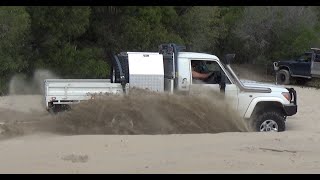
column 283, row 77
column 269, row 122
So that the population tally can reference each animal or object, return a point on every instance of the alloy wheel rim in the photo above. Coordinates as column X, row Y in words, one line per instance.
column 269, row 125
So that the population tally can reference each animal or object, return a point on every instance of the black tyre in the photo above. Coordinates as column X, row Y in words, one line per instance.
column 57, row 108
column 269, row 121
column 283, row 77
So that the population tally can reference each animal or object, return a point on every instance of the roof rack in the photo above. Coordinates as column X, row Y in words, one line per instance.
column 315, row 49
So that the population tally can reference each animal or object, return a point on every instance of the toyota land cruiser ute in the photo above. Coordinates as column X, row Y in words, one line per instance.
column 264, row 106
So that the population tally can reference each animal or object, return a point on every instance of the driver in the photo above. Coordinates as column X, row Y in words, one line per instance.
column 197, row 75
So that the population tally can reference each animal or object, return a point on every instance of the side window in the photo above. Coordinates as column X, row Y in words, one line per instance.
column 206, row 72
column 306, row 57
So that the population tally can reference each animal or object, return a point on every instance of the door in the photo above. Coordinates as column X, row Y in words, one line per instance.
column 315, row 66
column 202, row 81
column 302, row 65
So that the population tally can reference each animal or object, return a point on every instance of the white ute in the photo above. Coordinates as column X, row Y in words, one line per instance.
column 266, row 106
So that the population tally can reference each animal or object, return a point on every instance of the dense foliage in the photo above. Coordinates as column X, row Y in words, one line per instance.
column 74, row 42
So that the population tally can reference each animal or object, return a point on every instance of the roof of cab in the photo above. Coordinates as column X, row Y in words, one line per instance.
column 191, row 55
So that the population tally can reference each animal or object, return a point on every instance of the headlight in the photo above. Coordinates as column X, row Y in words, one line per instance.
column 286, row 95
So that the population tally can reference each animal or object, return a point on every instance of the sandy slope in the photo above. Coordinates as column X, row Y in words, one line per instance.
column 294, row 151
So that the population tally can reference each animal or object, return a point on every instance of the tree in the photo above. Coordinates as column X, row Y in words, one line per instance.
column 201, row 27
column 230, row 43
column 57, row 42
column 270, row 33
column 14, row 31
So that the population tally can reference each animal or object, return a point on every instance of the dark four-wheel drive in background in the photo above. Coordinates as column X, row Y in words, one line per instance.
column 303, row 68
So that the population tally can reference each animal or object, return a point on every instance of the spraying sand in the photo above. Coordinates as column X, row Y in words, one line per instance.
column 140, row 112
column 143, row 112
column 20, row 84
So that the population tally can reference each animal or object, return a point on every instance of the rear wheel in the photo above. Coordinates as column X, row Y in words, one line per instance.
column 283, row 77
column 272, row 121
column 56, row 108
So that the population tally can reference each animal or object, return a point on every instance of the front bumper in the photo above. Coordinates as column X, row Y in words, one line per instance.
column 291, row 108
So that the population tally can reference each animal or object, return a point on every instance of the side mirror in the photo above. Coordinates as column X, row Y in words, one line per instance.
column 223, row 83
column 229, row 58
